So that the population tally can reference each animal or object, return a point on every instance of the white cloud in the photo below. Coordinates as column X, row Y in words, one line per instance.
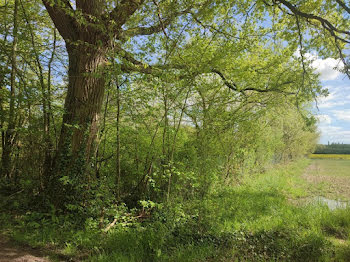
column 330, row 130
column 326, row 68
column 330, row 104
column 343, row 115
column 338, row 96
column 324, row 119
column 332, row 100
column 334, row 134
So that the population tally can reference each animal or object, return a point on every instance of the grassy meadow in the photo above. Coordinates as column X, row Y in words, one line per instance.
column 330, row 167
column 330, row 177
column 266, row 217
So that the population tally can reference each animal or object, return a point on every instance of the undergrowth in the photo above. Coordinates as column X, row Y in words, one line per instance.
column 255, row 220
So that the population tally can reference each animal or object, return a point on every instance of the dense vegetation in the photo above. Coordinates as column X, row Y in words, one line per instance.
column 139, row 119
column 256, row 220
column 333, row 148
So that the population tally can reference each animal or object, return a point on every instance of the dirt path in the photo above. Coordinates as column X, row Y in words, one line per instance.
column 12, row 253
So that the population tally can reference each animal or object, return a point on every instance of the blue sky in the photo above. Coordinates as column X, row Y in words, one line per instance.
column 334, row 110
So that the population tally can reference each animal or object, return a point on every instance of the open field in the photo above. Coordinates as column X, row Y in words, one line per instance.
column 330, row 167
column 329, row 156
column 329, row 177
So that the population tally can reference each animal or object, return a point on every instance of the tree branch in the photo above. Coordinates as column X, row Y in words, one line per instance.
column 234, row 87
column 59, row 12
column 301, row 50
column 343, row 5
column 231, row 85
column 325, row 23
column 212, row 27
column 164, row 23
column 138, row 66
column 124, row 11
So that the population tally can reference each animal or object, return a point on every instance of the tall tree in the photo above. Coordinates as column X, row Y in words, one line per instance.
column 90, row 31
column 94, row 29
column 10, row 132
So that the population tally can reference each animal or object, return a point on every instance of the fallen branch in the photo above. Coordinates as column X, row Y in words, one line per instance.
column 110, row 225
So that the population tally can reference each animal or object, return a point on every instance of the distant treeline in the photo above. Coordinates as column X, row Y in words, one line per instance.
column 333, row 149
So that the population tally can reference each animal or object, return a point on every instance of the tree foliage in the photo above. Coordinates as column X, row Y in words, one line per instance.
column 109, row 102
column 151, row 116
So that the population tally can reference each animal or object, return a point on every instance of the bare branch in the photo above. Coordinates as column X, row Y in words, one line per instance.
column 234, row 87
column 144, row 30
column 343, row 5
column 138, row 66
column 342, row 57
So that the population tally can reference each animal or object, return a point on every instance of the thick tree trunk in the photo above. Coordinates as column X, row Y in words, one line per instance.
column 79, row 127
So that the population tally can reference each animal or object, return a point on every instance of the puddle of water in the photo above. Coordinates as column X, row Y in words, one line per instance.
column 332, row 204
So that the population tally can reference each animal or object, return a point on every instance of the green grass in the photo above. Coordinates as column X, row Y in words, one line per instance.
column 329, row 178
column 257, row 220
column 330, row 167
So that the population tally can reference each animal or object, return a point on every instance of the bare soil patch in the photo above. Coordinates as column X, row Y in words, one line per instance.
column 12, row 253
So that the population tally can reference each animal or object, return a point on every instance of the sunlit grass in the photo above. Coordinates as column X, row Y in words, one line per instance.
column 265, row 217
column 330, row 167
column 329, row 178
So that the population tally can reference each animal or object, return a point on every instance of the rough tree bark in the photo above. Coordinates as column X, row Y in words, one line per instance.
column 80, row 120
